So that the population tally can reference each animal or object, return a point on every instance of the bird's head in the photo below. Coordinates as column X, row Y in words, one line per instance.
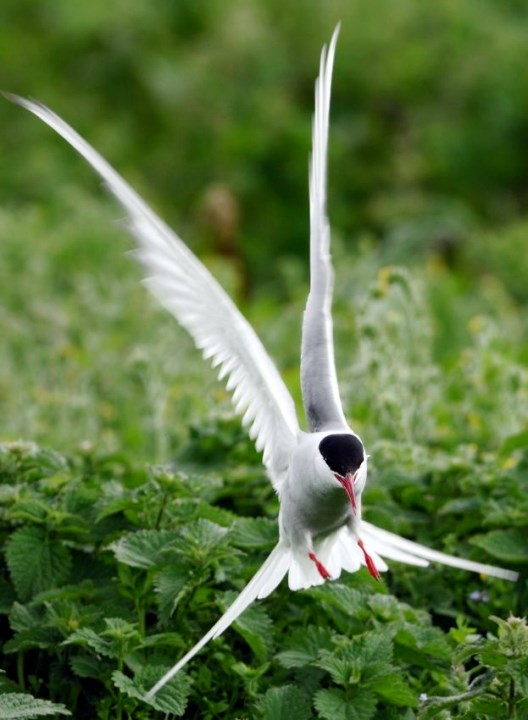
column 345, row 456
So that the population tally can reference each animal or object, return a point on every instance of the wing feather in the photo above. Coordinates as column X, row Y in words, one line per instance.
column 318, row 375
column 187, row 289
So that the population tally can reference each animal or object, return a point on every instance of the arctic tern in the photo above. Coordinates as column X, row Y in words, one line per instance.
column 319, row 475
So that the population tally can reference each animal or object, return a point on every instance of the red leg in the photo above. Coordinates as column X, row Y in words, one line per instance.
column 323, row 572
column 373, row 570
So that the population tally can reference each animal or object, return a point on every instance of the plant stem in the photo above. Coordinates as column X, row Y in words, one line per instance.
column 511, row 700
column 161, row 510
column 20, row 670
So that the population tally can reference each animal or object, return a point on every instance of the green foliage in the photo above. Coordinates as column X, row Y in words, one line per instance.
column 110, row 570
column 19, row 706
column 492, row 679
column 148, row 574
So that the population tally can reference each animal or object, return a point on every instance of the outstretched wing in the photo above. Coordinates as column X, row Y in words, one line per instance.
column 318, row 375
column 186, row 288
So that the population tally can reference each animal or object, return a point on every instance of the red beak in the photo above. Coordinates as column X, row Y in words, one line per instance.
column 348, row 486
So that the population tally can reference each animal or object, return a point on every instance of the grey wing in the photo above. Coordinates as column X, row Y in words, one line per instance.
column 318, row 375
column 186, row 288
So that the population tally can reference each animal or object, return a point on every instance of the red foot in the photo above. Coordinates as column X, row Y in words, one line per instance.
column 348, row 486
column 373, row 570
column 323, row 572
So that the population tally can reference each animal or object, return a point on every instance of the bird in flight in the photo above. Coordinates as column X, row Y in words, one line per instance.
column 319, row 475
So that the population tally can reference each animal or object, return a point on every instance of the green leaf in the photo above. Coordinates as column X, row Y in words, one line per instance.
column 348, row 600
column 386, row 607
column 144, row 548
column 86, row 666
column 36, row 561
column 172, row 698
column 255, row 627
column 424, row 640
column 333, row 704
column 87, row 637
column 254, row 533
column 393, row 689
column 19, row 706
column 284, row 703
column 507, row 545
column 363, row 660
column 168, row 585
column 30, row 510
column 203, row 536
column 305, row 646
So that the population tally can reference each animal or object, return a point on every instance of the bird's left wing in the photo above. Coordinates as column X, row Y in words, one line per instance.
column 318, row 375
column 187, row 289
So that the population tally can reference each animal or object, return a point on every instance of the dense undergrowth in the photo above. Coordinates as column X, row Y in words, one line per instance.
column 112, row 568
column 132, row 505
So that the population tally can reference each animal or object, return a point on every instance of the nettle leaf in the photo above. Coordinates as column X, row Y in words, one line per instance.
column 120, row 630
column 254, row 533
column 203, row 537
column 305, row 646
column 29, row 509
column 284, row 703
column 352, row 602
column 169, row 585
column 255, row 626
column 24, row 617
column 36, row 561
column 393, row 689
column 39, row 637
column 172, row 698
column 144, row 548
column 343, row 664
column 215, row 514
column 119, row 635
column 385, row 607
column 333, row 704
column 85, row 666
column 363, row 660
column 426, row 640
column 19, row 706
column 508, row 545
column 87, row 637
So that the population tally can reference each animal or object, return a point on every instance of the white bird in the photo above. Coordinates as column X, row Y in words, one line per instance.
column 318, row 475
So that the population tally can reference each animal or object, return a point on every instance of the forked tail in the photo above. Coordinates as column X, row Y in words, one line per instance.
column 392, row 546
column 261, row 585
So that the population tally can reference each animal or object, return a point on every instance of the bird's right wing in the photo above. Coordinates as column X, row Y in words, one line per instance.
column 318, row 375
column 392, row 546
column 187, row 289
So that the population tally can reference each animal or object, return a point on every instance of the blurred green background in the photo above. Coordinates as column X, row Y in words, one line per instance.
column 205, row 107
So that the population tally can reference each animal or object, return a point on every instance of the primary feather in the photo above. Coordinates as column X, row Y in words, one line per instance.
column 187, row 289
column 320, row 392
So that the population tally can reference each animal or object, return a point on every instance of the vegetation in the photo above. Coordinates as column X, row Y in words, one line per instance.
column 132, row 505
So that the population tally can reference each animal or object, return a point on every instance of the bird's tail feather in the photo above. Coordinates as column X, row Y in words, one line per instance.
column 395, row 547
column 337, row 551
column 262, row 584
